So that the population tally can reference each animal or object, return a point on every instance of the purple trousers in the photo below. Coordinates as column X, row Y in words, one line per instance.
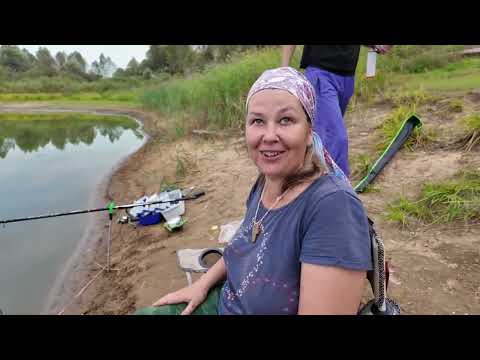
column 333, row 93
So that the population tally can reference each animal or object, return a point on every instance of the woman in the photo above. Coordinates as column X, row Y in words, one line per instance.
column 304, row 246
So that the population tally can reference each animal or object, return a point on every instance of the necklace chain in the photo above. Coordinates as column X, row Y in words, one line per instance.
column 259, row 222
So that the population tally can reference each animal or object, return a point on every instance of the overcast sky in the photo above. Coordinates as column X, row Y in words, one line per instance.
column 120, row 54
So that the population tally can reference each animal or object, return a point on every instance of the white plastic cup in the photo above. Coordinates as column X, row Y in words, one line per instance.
column 371, row 63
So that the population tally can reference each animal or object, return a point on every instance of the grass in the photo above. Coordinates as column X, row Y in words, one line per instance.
column 113, row 96
column 455, row 105
column 70, row 116
column 392, row 124
column 214, row 98
column 180, row 167
column 371, row 188
column 472, row 138
column 410, row 98
column 30, row 97
column 166, row 186
column 401, row 210
column 443, row 202
column 461, row 75
column 185, row 162
column 65, row 89
column 361, row 165
column 409, row 75
column 70, row 85
column 416, row 68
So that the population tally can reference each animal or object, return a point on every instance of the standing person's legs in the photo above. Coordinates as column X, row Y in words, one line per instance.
column 329, row 114
column 347, row 93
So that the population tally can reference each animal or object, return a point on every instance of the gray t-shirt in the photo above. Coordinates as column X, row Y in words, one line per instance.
column 324, row 225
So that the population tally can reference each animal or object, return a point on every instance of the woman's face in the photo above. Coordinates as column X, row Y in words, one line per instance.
column 277, row 133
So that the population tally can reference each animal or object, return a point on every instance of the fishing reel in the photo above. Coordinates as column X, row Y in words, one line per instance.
column 378, row 278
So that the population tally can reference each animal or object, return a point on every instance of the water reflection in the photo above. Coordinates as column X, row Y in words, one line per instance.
column 31, row 135
column 52, row 165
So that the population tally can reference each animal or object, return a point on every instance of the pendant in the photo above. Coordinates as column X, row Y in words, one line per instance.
column 256, row 230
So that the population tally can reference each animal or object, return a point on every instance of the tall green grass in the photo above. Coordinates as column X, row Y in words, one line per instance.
column 68, row 85
column 413, row 98
column 412, row 67
column 68, row 116
column 461, row 75
column 472, row 137
column 214, row 98
column 68, row 89
column 361, row 165
column 443, row 202
column 455, row 105
column 122, row 96
column 390, row 126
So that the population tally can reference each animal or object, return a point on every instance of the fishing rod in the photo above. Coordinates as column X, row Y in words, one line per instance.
column 110, row 208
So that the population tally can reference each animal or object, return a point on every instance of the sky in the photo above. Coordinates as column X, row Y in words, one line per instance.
column 120, row 54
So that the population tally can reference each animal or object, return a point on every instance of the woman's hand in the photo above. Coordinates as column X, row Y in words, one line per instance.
column 194, row 295
column 383, row 49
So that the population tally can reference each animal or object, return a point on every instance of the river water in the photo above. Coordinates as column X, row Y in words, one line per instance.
column 50, row 166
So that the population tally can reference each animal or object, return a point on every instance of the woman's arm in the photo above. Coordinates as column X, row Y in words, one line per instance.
column 327, row 290
column 216, row 273
column 196, row 294
column 335, row 254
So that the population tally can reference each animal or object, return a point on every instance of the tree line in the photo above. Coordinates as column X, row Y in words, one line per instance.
column 16, row 62
column 172, row 59
column 180, row 59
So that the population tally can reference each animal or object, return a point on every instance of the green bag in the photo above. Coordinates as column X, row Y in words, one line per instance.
column 208, row 307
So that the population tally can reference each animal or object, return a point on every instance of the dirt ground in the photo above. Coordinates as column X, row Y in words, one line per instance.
column 146, row 256
column 435, row 268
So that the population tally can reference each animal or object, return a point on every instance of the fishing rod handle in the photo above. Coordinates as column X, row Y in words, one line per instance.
column 197, row 194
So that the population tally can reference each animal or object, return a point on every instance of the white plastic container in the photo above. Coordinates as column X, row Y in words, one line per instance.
column 134, row 212
column 371, row 63
column 172, row 210
column 228, row 231
column 169, row 211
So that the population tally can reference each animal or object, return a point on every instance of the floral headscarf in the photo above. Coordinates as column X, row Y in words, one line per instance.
column 293, row 81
